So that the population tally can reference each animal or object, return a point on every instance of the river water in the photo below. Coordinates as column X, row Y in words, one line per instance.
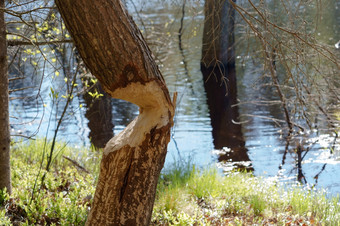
column 34, row 111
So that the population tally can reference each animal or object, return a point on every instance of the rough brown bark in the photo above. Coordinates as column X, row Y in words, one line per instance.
column 218, row 34
column 5, row 172
column 115, row 52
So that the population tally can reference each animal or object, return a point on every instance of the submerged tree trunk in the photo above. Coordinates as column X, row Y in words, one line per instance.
column 115, row 52
column 218, row 49
column 219, row 74
column 5, row 171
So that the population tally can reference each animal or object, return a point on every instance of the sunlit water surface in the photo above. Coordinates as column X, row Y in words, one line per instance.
column 191, row 135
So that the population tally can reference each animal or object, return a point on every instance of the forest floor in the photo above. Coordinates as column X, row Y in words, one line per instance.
column 185, row 195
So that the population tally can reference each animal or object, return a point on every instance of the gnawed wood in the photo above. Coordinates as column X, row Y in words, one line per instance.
column 154, row 113
column 115, row 52
column 133, row 174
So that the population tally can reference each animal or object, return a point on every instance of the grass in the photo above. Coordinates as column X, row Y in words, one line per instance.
column 240, row 199
column 63, row 198
column 185, row 195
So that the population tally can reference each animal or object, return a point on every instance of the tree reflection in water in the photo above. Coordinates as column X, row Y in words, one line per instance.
column 98, row 112
column 219, row 75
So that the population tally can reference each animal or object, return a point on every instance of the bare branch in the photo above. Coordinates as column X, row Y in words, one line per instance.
column 22, row 43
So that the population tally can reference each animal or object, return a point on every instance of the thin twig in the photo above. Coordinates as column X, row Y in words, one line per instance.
column 22, row 43
column 76, row 164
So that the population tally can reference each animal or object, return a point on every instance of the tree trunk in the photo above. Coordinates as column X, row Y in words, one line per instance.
column 219, row 74
column 5, row 171
column 218, row 48
column 98, row 113
column 115, row 52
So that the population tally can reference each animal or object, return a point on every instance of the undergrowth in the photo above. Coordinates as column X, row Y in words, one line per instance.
column 65, row 194
column 208, row 198
column 185, row 195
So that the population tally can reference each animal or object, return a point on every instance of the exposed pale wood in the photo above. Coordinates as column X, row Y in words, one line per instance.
column 115, row 52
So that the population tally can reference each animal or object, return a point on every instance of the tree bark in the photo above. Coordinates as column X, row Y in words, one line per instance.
column 218, row 34
column 5, row 171
column 114, row 50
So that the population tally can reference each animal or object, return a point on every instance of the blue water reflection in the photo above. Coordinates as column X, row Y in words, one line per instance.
column 192, row 132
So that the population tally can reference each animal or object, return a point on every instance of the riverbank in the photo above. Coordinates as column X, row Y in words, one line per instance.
column 185, row 196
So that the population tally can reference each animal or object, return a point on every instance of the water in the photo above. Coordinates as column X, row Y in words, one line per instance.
column 35, row 112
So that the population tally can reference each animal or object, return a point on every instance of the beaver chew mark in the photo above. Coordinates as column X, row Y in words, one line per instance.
column 125, row 182
column 129, row 75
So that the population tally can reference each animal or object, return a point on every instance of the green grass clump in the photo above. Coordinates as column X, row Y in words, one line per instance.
column 207, row 197
column 185, row 194
column 64, row 196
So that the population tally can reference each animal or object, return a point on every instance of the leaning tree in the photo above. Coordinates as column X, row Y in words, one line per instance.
column 114, row 50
